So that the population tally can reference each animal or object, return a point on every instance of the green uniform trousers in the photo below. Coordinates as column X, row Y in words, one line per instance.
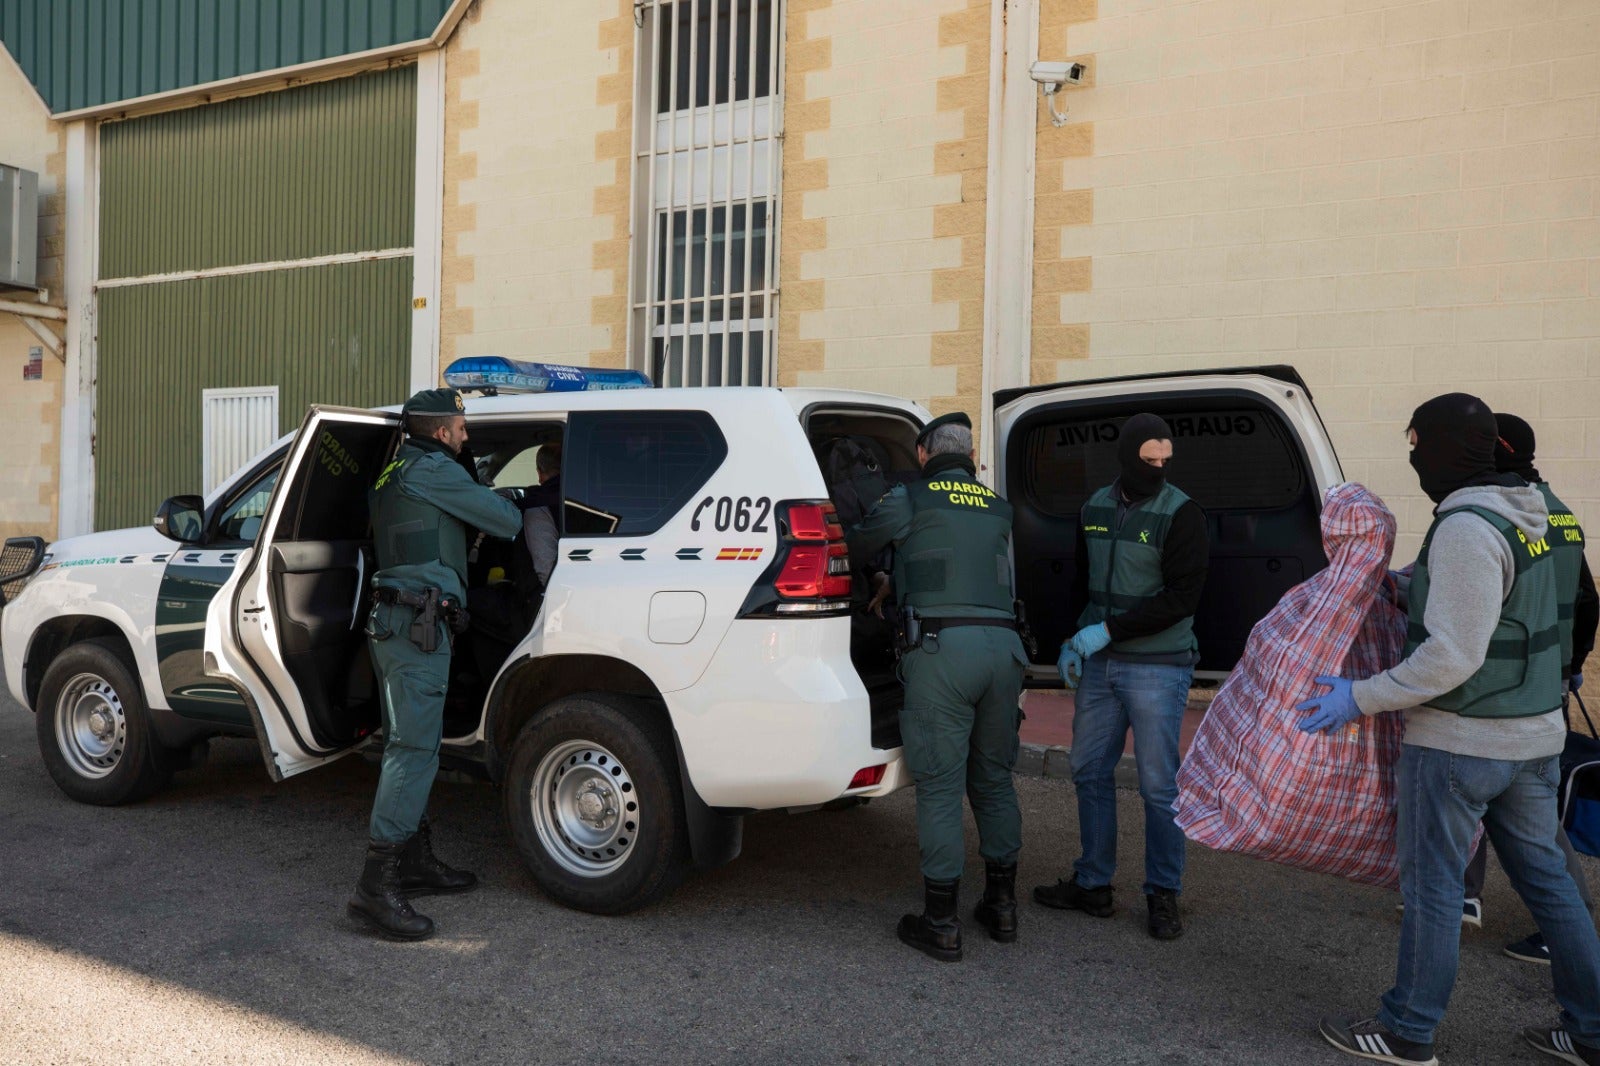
column 412, row 684
column 959, row 726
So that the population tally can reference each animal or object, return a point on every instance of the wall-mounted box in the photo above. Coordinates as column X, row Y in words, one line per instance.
column 19, row 227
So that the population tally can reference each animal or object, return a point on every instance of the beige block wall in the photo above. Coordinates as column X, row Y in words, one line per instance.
column 31, row 410
column 1396, row 196
column 537, row 114
column 885, row 161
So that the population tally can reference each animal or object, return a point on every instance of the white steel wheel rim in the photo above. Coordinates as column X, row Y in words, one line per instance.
column 585, row 808
column 91, row 726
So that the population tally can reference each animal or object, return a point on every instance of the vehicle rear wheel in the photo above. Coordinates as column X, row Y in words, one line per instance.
column 94, row 731
column 595, row 805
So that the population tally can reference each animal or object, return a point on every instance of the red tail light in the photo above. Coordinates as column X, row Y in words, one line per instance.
column 811, row 573
column 868, row 776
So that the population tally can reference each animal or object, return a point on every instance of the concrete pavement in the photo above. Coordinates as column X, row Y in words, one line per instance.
column 206, row 925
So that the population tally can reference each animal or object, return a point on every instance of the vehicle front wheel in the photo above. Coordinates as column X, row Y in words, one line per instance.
column 595, row 805
column 94, row 731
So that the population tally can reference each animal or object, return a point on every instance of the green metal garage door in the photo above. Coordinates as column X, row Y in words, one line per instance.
column 295, row 210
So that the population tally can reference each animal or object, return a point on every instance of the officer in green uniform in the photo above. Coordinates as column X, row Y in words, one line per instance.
column 420, row 506
column 1577, row 614
column 952, row 540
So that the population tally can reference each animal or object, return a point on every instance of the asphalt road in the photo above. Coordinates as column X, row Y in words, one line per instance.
column 207, row 925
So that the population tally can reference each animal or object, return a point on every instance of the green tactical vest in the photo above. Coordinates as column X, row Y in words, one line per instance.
column 957, row 554
column 1522, row 675
column 1566, row 544
column 422, row 543
column 1125, row 565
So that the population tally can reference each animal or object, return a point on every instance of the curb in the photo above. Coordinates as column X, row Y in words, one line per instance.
column 1055, row 761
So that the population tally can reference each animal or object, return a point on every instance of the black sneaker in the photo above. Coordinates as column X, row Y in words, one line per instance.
column 1471, row 912
column 1071, row 896
column 1530, row 948
column 1166, row 920
column 1370, row 1039
column 1558, row 1043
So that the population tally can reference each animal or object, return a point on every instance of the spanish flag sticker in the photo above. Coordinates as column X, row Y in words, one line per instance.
column 738, row 554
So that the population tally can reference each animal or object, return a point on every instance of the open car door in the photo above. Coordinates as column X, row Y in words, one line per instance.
column 1248, row 447
column 287, row 627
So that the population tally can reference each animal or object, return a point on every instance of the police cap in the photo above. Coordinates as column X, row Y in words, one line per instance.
column 954, row 418
column 434, row 402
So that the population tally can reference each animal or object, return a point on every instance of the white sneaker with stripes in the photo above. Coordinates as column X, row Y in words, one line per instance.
column 1370, row 1039
column 1558, row 1043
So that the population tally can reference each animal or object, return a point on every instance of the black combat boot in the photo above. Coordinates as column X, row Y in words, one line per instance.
column 421, row 872
column 997, row 911
column 377, row 900
column 936, row 932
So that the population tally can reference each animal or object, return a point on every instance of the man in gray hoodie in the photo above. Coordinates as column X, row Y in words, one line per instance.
column 1481, row 688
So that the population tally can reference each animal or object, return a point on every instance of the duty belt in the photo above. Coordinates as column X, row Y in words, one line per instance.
column 385, row 594
column 931, row 626
column 431, row 606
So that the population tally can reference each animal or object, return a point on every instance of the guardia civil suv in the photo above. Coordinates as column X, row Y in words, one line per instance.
column 703, row 647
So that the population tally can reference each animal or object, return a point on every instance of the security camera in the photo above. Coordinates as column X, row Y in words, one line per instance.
column 1054, row 75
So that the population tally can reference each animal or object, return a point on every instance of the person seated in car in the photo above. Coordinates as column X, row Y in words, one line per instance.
column 541, row 512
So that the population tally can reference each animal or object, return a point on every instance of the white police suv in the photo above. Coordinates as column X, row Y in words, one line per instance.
column 702, row 647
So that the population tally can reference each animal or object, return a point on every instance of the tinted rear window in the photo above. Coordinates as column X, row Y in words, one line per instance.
column 1225, row 458
column 629, row 473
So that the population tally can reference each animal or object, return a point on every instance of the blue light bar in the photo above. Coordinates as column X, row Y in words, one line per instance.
column 513, row 375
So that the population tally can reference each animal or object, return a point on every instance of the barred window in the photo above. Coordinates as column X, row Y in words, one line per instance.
column 708, row 156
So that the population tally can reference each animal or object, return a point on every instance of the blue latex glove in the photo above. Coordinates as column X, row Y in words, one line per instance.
column 1091, row 640
column 1070, row 663
column 1329, row 711
column 1577, row 681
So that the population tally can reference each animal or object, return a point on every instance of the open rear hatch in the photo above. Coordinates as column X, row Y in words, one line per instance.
column 863, row 451
column 1248, row 447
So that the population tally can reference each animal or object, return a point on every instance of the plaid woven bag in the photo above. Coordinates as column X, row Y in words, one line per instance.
column 1255, row 784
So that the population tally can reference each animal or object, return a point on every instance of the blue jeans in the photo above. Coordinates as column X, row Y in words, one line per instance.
column 1442, row 797
column 1112, row 697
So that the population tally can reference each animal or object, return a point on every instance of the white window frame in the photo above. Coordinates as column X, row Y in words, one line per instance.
column 711, row 157
column 210, row 476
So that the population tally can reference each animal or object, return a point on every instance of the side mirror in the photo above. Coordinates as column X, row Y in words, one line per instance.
column 181, row 519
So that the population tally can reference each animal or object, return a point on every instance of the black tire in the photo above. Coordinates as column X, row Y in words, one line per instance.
column 94, row 729
column 596, row 749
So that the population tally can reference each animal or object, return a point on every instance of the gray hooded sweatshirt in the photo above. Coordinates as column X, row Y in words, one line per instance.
column 1471, row 571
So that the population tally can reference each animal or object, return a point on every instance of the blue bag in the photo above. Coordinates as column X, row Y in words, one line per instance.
column 1580, row 786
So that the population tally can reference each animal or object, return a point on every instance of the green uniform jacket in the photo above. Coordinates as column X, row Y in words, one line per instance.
column 1523, row 672
column 421, row 505
column 1566, row 542
column 1125, row 568
column 952, row 538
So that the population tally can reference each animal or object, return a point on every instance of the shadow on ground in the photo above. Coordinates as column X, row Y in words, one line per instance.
column 234, row 887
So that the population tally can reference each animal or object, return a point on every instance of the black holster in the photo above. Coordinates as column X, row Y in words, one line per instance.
column 1029, row 644
column 906, row 624
column 432, row 607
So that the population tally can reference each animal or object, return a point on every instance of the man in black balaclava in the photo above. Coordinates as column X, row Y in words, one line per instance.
column 1579, row 617
column 1481, row 685
column 1455, row 442
column 1141, row 565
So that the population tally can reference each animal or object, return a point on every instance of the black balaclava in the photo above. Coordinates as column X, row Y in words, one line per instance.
column 1139, row 479
column 1513, row 452
column 1456, row 435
